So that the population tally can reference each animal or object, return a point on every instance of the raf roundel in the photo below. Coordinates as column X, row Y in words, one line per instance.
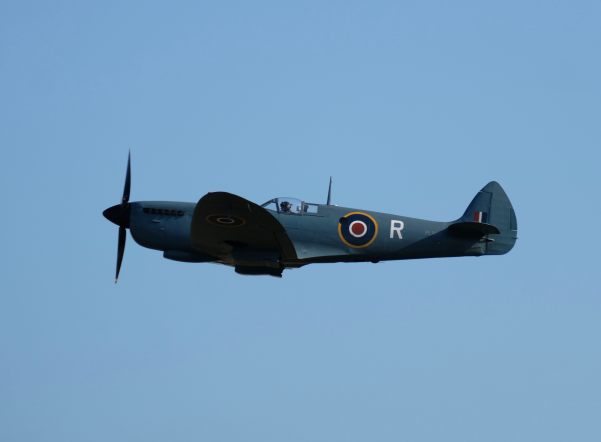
column 357, row 229
column 225, row 220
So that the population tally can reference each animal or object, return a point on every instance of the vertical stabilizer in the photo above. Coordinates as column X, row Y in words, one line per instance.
column 492, row 206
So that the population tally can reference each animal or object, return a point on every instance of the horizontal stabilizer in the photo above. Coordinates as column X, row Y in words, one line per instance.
column 472, row 229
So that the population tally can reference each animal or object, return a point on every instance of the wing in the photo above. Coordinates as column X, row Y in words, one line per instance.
column 235, row 229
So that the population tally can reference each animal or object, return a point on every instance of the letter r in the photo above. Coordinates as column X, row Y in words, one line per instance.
column 396, row 226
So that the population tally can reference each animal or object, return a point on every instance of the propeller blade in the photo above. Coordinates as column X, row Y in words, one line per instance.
column 120, row 214
column 120, row 251
column 127, row 186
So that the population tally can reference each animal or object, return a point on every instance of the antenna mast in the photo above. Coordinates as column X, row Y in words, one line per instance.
column 329, row 192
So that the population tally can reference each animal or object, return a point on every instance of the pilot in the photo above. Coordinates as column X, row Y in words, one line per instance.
column 285, row 206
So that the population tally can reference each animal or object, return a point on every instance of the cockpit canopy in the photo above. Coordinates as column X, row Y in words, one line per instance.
column 290, row 206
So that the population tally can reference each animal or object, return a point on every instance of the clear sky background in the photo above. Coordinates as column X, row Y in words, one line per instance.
column 412, row 107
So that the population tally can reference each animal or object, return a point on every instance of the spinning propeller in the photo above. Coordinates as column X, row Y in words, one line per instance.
column 119, row 215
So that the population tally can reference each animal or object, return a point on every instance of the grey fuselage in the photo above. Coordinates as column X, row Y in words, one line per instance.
column 166, row 226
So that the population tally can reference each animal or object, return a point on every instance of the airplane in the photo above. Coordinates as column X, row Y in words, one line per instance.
column 287, row 233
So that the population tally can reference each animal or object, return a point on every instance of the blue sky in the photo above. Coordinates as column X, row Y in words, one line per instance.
column 412, row 107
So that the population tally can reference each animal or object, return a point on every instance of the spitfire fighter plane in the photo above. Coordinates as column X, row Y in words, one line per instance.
column 285, row 233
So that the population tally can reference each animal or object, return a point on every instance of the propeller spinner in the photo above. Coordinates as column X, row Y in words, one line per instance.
column 119, row 215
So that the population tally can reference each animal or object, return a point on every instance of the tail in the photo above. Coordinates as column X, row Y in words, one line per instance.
column 491, row 218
